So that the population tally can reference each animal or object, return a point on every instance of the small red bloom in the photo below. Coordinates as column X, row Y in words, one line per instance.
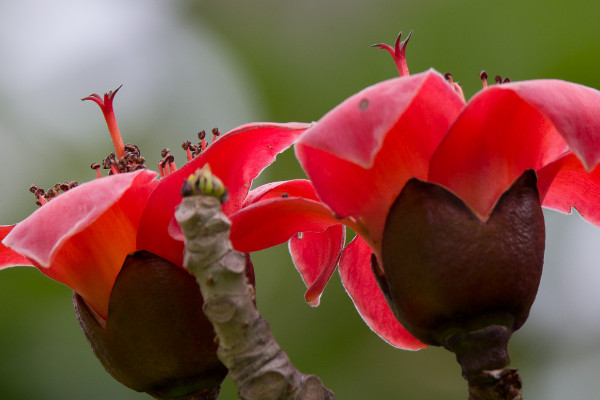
column 360, row 155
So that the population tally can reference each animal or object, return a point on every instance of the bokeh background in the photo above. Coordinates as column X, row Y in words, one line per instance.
column 191, row 65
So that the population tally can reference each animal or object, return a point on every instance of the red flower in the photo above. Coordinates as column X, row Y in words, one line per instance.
column 360, row 155
column 82, row 238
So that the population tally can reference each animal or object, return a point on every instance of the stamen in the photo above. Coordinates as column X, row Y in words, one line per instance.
column 39, row 195
column 398, row 53
column 483, row 76
column 216, row 132
column 201, row 137
column 96, row 166
column 186, row 146
column 506, row 80
column 161, row 171
column 498, row 79
column 172, row 167
column 455, row 85
column 106, row 105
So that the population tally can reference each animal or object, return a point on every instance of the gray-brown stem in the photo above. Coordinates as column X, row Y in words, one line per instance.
column 259, row 368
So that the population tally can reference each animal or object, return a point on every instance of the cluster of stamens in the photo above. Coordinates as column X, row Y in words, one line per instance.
column 126, row 158
column 483, row 76
column 131, row 161
column 194, row 150
column 44, row 196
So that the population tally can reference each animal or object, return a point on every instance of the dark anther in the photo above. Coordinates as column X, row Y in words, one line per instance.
column 94, row 166
column 64, row 187
column 498, row 79
column 506, row 80
column 216, row 131
column 132, row 149
column 201, row 134
column 51, row 193
column 448, row 76
column 483, row 75
column 169, row 159
column 284, row 195
column 34, row 188
column 164, row 152
column 186, row 145
column 40, row 192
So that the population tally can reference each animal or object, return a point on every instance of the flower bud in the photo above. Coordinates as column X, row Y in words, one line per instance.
column 157, row 339
column 449, row 273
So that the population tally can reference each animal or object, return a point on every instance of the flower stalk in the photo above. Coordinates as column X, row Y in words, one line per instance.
column 256, row 363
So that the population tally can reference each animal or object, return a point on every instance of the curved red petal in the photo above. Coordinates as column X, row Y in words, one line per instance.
column 574, row 186
column 9, row 258
column 494, row 140
column 360, row 154
column 82, row 237
column 355, row 270
column 316, row 255
column 274, row 221
column 236, row 158
column 573, row 109
column 294, row 188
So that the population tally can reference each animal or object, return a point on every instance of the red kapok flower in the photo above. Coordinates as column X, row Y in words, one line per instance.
column 361, row 154
column 83, row 236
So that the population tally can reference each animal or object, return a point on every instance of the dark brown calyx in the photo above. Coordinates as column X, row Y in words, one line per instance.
column 447, row 272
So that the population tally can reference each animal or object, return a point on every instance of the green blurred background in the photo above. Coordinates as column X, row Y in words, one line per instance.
column 191, row 65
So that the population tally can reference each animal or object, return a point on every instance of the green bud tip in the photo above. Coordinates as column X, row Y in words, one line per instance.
column 203, row 182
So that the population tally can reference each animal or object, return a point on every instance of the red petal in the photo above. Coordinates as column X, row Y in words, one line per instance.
column 294, row 188
column 236, row 158
column 573, row 186
column 9, row 258
column 573, row 109
column 82, row 237
column 274, row 221
column 315, row 255
column 494, row 140
column 360, row 155
column 355, row 270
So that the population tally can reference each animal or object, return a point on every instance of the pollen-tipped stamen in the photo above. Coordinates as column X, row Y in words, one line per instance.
column 455, row 85
column 201, row 137
column 96, row 166
column 483, row 76
column 398, row 53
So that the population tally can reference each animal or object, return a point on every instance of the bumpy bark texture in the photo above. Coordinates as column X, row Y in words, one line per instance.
column 259, row 368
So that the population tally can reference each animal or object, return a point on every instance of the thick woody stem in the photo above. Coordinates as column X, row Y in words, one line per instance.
column 483, row 356
column 259, row 368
